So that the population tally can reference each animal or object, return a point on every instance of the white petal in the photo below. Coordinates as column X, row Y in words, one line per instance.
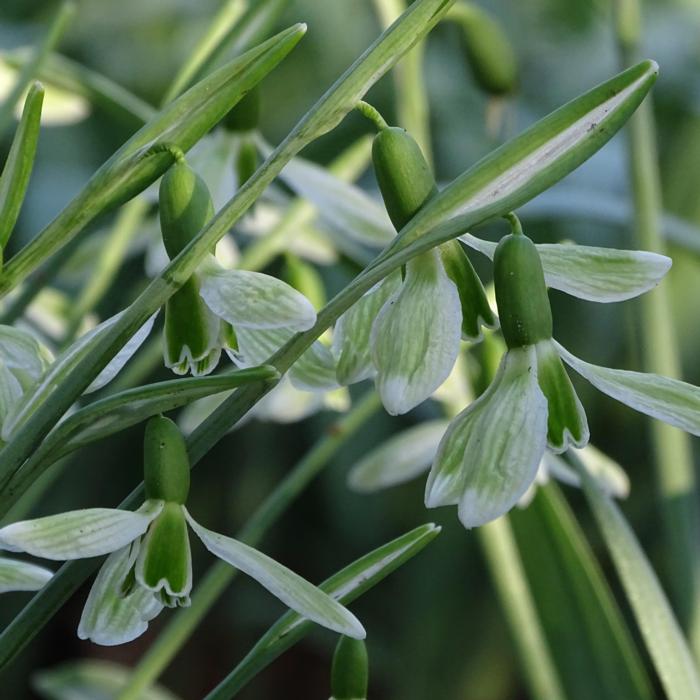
column 23, row 355
column 344, row 207
column 10, row 391
column 112, row 615
column 401, row 458
column 287, row 404
column 313, row 371
column 79, row 534
column 416, row 337
column 22, row 576
column 490, row 454
column 290, row 588
column 351, row 337
column 595, row 274
column 670, row 400
column 254, row 300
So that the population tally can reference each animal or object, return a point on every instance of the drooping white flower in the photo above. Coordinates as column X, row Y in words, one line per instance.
column 18, row 575
column 149, row 564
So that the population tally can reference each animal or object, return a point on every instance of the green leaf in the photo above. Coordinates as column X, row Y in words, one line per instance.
column 89, row 680
column 19, row 163
column 594, row 274
column 670, row 400
column 347, row 585
column 138, row 162
column 662, row 635
column 587, row 635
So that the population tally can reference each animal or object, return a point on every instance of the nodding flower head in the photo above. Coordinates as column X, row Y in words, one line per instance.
column 149, row 565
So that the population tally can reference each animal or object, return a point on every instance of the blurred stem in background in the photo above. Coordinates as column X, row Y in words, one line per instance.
column 413, row 111
column 216, row 580
column 673, row 461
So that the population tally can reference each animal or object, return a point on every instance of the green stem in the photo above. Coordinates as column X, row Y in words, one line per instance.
column 413, row 109
column 33, row 65
column 673, row 463
column 268, row 513
column 508, row 574
column 372, row 114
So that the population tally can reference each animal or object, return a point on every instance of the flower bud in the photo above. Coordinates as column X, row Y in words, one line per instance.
column 405, row 179
column 488, row 50
column 521, row 292
column 166, row 466
column 349, row 675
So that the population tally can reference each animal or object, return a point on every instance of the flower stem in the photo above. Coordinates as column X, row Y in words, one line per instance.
column 675, row 475
column 268, row 513
column 371, row 113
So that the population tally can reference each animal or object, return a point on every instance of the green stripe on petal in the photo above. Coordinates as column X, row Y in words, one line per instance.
column 164, row 565
column 22, row 576
column 254, row 300
column 415, row 339
column 669, row 400
column 294, row 591
column 401, row 458
column 594, row 274
column 113, row 614
column 566, row 419
column 491, row 453
column 10, row 391
column 351, row 337
column 79, row 534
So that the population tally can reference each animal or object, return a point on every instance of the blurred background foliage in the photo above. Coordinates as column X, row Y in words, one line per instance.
column 435, row 627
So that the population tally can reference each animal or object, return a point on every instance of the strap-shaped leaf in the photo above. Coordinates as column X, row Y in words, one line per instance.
column 294, row 591
column 662, row 635
column 66, row 362
column 182, row 123
column 670, row 400
column 19, row 163
column 345, row 586
column 591, row 273
column 586, row 632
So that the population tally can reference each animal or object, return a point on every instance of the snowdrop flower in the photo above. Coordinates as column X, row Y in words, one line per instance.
column 22, row 576
column 407, row 330
column 149, row 565
column 491, row 452
column 207, row 314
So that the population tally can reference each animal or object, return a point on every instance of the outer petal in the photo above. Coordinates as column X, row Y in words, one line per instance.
column 112, row 614
column 22, row 576
column 595, row 274
column 254, row 300
column 491, row 452
column 290, row 588
column 351, row 337
column 415, row 339
column 313, row 371
column 10, row 391
column 79, row 534
column 23, row 355
column 669, row 400
column 401, row 458
column 567, row 423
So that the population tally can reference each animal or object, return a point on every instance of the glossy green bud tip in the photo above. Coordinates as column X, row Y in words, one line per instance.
column 405, row 179
column 350, row 672
column 521, row 292
column 166, row 466
column 185, row 206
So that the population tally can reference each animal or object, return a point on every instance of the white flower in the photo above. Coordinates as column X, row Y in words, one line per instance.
column 21, row 576
column 149, row 564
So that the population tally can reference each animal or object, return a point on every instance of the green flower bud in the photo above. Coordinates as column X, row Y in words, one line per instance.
column 489, row 52
column 521, row 293
column 350, row 672
column 185, row 207
column 405, row 179
column 246, row 160
column 166, row 466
